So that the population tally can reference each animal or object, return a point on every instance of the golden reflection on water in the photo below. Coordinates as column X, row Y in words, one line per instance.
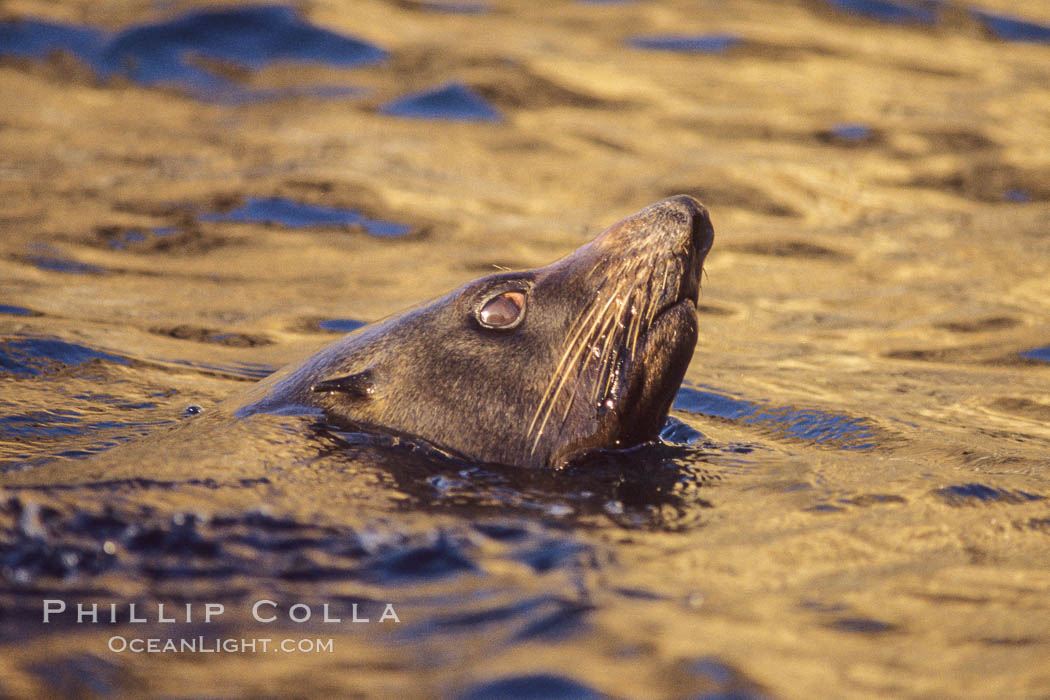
column 879, row 193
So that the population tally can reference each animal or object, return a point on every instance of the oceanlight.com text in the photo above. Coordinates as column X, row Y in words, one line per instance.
column 219, row 645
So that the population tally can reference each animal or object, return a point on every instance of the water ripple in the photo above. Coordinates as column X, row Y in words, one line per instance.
column 808, row 424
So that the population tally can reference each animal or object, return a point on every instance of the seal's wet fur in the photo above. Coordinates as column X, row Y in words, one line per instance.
column 593, row 361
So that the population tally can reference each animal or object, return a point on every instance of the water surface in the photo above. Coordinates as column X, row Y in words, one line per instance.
column 190, row 50
column 850, row 498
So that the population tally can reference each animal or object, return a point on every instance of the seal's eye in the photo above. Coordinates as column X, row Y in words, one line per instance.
column 503, row 310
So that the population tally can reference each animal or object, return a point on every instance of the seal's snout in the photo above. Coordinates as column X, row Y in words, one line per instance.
column 688, row 234
column 692, row 211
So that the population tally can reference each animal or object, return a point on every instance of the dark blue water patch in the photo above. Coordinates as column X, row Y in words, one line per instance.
column 171, row 52
column 678, row 433
column 87, row 451
column 440, row 559
column 1041, row 354
column 872, row 499
column 1016, row 195
column 18, row 311
column 44, row 434
column 180, row 537
column 824, row 508
column 711, row 404
column 36, row 356
column 565, row 620
column 545, row 618
column 824, row 606
column 37, row 425
column 1010, row 28
column 251, row 36
column 29, row 38
column 121, row 241
column 85, row 672
column 551, row 554
column 974, row 494
column 29, row 558
column 855, row 133
column 340, row 325
column 538, row 686
column 502, row 532
column 902, row 12
column 259, row 520
column 134, row 236
column 136, row 406
column 450, row 102
column 47, row 543
column 67, row 266
column 862, row 625
column 817, row 426
column 103, row 526
column 682, row 43
column 272, row 543
column 807, row 424
column 713, row 669
column 292, row 214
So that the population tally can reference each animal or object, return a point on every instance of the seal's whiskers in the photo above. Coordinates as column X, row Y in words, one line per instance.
column 575, row 348
column 609, row 326
column 608, row 362
column 574, row 332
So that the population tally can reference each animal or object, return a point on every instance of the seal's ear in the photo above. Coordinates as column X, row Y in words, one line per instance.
column 361, row 385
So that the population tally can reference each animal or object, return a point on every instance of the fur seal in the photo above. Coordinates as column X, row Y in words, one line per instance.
column 530, row 368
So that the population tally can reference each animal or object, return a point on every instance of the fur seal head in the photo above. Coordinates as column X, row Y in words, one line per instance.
column 528, row 368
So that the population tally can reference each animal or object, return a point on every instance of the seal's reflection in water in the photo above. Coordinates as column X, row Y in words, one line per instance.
column 654, row 486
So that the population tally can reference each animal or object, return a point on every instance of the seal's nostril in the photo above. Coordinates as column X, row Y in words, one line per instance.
column 689, row 206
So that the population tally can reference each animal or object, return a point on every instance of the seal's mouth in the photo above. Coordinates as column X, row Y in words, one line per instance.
column 688, row 295
column 650, row 376
column 688, row 303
